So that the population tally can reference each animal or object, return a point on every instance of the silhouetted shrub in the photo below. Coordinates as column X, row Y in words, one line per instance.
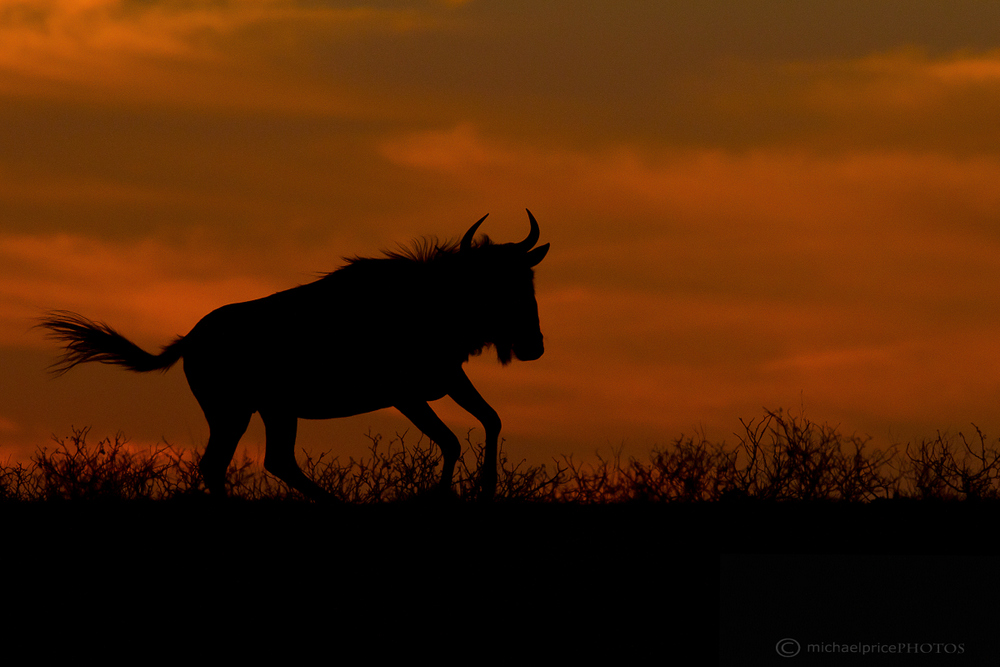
column 940, row 469
column 17, row 482
column 74, row 470
column 782, row 457
column 788, row 458
column 778, row 458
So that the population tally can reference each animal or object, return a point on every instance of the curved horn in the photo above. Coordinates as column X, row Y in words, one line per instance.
column 467, row 239
column 529, row 243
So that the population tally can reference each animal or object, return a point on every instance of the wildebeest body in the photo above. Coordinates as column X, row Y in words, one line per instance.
column 380, row 332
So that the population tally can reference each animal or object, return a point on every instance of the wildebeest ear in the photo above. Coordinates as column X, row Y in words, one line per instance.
column 537, row 255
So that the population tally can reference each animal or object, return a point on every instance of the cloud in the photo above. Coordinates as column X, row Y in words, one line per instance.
column 903, row 99
column 149, row 289
column 404, row 62
column 245, row 54
column 750, row 194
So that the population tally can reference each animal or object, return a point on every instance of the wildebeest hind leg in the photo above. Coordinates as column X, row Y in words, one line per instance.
column 225, row 431
column 279, row 455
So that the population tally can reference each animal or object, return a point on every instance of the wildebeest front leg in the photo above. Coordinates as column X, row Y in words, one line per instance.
column 423, row 417
column 469, row 399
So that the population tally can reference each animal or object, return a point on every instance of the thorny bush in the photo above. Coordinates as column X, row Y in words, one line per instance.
column 776, row 458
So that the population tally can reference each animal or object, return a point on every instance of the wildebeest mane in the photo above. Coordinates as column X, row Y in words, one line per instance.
column 424, row 250
column 430, row 267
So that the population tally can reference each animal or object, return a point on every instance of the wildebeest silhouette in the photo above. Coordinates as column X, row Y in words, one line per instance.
column 392, row 331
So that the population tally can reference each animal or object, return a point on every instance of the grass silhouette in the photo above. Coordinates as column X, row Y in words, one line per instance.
column 777, row 458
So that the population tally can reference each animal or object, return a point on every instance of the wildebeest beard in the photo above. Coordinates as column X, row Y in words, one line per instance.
column 505, row 352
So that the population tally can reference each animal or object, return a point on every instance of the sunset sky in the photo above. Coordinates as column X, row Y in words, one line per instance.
column 750, row 204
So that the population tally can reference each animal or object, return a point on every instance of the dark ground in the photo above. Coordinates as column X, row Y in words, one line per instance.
column 186, row 580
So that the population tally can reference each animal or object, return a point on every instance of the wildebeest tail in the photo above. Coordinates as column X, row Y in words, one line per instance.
column 86, row 340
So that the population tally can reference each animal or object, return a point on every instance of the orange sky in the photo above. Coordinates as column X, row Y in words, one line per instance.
column 750, row 204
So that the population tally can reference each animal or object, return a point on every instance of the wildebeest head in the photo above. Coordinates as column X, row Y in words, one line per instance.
column 502, row 278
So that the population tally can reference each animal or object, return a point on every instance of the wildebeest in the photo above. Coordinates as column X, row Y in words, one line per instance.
column 392, row 331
